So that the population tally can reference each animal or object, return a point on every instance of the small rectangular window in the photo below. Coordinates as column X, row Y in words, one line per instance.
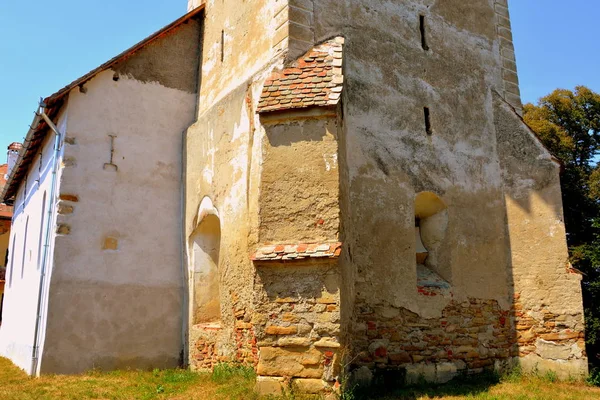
column 423, row 33
column 222, row 46
column 428, row 128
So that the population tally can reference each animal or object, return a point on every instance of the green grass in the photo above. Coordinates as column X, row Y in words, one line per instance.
column 232, row 382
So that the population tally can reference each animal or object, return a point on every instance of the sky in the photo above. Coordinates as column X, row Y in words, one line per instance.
column 45, row 45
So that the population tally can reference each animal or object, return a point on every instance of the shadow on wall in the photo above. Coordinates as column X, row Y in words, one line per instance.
column 205, row 243
column 311, row 130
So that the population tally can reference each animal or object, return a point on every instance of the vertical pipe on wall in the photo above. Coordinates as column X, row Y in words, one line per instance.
column 184, row 256
column 49, row 225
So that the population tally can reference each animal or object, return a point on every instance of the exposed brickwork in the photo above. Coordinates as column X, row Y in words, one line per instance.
column 538, row 328
column 298, row 325
column 300, row 251
column 245, row 338
column 314, row 79
column 204, row 354
column 471, row 335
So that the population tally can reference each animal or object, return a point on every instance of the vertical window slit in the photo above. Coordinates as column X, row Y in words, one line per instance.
column 423, row 33
column 222, row 45
column 427, row 121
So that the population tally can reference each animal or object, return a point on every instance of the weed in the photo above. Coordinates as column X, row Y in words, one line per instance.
column 348, row 393
column 593, row 378
column 550, row 376
column 224, row 372
column 513, row 376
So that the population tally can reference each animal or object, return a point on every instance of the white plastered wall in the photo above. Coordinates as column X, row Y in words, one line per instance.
column 120, row 306
column 30, row 221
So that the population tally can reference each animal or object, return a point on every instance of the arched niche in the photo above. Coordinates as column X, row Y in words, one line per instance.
column 205, row 243
column 431, row 224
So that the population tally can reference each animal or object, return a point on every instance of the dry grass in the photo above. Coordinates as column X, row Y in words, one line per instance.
column 229, row 383
column 145, row 385
column 525, row 388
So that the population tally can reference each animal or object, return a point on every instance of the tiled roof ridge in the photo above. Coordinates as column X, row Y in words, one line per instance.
column 297, row 251
column 313, row 80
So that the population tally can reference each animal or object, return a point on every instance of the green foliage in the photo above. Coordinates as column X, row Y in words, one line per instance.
column 550, row 376
column 593, row 378
column 513, row 376
column 224, row 372
column 568, row 123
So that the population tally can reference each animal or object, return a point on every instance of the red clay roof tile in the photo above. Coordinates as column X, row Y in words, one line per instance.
column 314, row 79
column 297, row 251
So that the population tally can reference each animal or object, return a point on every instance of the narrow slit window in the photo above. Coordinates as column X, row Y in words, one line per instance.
column 423, row 33
column 222, row 46
column 428, row 128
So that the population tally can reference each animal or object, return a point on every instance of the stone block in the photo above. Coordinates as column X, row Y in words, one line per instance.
column 301, row 16
column 65, row 209
column 281, row 330
column 310, row 386
column 69, row 197
column 429, row 372
column 69, row 162
column 301, row 32
column 414, row 372
column 327, row 343
column 445, row 372
column 292, row 362
column 269, row 386
column 110, row 243
column 510, row 76
column 575, row 368
column 400, row 358
column 63, row 229
column 505, row 33
column 553, row 351
column 501, row 10
column 294, row 342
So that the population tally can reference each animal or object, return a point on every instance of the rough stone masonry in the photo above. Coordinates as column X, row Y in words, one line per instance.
column 363, row 199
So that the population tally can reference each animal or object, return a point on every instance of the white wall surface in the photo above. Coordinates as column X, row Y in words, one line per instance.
column 23, row 274
column 120, row 307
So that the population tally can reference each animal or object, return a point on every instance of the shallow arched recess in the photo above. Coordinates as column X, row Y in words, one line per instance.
column 204, row 245
column 431, row 224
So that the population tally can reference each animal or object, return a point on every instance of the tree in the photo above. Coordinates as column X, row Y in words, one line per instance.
column 568, row 123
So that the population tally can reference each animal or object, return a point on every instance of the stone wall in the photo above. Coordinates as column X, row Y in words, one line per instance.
column 297, row 321
column 470, row 336
column 271, row 179
column 510, row 89
column 547, row 291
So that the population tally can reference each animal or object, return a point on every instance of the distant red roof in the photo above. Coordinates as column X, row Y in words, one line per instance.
column 15, row 146
column 5, row 211
column 315, row 79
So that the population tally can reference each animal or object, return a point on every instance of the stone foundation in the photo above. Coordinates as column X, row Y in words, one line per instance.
column 469, row 337
column 550, row 342
column 298, row 326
